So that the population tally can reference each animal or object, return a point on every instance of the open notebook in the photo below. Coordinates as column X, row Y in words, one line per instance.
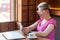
column 2, row 37
column 13, row 35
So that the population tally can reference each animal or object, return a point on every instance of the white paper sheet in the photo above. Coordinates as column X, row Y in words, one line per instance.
column 13, row 35
column 2, row 37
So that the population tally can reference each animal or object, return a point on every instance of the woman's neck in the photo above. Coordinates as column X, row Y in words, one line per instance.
column 46, row 17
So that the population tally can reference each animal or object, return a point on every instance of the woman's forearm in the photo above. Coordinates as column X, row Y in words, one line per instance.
column 30, row 28
column 33, row 26
column 40, row 34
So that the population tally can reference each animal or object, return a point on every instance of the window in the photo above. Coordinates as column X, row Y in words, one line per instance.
column 6, row 10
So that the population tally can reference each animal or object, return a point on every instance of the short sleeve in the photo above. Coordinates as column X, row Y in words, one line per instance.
column 53, row 21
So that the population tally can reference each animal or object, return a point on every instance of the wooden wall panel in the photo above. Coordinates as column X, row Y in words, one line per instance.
column 31, row 7
column 25, row 24
column 24, row 2
column 8, row 26
column 31, row 15
column 28, row 12
column 37, row 2
column 31, row 22
column 24, row 8
column 3, row 27
column 12, row 26
column 25, row 16
column 54, row 3
column 31, row 2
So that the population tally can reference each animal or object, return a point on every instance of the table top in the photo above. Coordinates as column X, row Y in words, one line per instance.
column 14, row 35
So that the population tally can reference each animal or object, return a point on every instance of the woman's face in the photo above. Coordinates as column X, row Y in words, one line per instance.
column 40, row 11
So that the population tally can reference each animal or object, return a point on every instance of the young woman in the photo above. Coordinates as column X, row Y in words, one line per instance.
column 46, row 25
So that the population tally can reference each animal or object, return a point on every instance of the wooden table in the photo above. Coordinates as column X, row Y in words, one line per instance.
column 38, row 38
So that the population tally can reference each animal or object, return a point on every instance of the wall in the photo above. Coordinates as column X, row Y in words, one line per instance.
column 29, row 14
column 8, row 26
column 57, row 33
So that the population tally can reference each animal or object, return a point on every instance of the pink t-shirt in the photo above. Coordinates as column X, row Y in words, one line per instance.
column 41, row 28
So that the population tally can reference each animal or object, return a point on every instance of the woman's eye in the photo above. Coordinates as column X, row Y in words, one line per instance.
column 36, row 8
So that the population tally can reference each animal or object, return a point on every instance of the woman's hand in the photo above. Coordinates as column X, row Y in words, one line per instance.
column 25, row 30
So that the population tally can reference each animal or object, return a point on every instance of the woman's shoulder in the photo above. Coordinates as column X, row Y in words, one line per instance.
column 52, row 21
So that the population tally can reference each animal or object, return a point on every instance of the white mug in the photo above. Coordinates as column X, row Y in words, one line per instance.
column 31, row 34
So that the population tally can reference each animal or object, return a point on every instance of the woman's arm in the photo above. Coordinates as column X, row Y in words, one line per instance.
column 46, row 31
column 33, row 26
column 29, row 28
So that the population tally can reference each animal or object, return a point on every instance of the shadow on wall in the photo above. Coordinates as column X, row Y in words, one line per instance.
column 57, row 33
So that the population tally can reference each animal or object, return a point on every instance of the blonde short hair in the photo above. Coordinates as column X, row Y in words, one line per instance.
column 44, row 5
